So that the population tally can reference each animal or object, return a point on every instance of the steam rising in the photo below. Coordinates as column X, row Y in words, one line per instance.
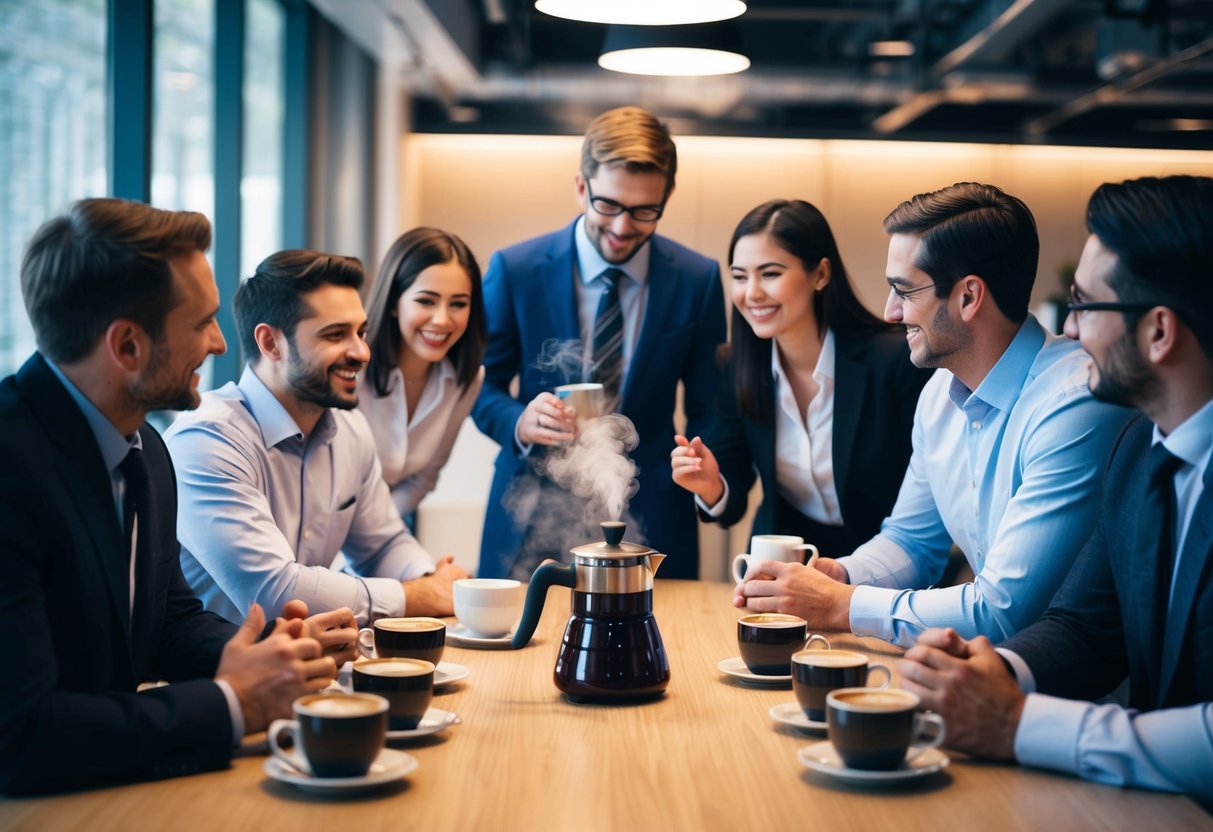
column 579, row 485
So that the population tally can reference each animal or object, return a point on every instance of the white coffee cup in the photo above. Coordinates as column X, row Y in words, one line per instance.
column 785, row 548
column 488, row 607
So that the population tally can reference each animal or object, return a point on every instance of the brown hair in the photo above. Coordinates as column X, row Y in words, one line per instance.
column 632, row 137
column 104, row 259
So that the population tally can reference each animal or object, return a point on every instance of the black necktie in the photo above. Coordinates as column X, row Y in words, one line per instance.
column 607, row 357
column 134, row 499
column 1157, row 529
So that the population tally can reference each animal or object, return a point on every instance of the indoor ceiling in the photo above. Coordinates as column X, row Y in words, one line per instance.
column 1099, row 72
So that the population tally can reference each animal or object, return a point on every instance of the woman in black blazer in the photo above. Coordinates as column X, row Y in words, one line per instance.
column 823, row 417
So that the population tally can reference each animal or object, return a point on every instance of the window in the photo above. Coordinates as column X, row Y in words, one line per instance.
column 264, row 97
column 52, row 135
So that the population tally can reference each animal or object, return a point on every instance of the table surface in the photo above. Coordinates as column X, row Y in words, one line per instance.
column 705, row 756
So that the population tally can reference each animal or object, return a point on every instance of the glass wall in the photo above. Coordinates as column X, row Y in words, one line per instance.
column 52, row 134
column 264, row 96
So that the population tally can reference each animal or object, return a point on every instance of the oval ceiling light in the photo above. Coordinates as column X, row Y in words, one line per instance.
column 698, row 49
column 643, row 12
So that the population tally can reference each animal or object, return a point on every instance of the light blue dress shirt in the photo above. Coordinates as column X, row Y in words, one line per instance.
column 264, row 510
column 1010, row 472
column 1168, row 750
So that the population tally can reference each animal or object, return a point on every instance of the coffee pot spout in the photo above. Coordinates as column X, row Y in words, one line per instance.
column 655, row 562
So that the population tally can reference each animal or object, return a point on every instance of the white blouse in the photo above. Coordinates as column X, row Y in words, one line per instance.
column 804, row 444
column 413, row 449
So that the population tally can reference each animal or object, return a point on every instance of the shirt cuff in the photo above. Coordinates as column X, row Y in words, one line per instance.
column 718, row 509
column 385, row 599
column 523, row 450
column 871, row 611
column 1023, row 673
column 234, row 711
column 1048, row 732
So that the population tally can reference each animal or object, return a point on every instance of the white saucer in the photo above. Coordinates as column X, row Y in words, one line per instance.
column 435, row 720
column 447, row 672
column 388, row 766
column 820, row 756
column 736, row 668
column 790, row 713
column 461, row 636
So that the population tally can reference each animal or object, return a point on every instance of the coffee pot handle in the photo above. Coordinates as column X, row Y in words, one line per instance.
column 547, row 575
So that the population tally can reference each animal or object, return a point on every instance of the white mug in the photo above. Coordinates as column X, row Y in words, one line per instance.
column 785, row 548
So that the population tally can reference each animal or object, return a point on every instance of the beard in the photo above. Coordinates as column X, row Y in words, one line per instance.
column 158, row 389
column 945, row 338
column 310, row 384
column 1124, row 377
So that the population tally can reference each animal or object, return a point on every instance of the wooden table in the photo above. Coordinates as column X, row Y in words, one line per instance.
column 705, row 757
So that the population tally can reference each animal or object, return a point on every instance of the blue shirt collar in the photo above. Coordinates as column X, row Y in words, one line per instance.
column 1001, row 387
column 1192, row 440
column 275, row 424
column 113, row 445
column 590, row 263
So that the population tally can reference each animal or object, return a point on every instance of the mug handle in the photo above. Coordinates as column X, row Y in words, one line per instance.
column 888, row 674
column 292, row 758
column 813, row 638
column 366, row 642
column 808, row 547
column 922, row 721
column 738, row 576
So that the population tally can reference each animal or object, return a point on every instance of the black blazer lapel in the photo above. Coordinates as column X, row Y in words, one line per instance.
column 83, row 474
column 850, row 381
column 1194, row 561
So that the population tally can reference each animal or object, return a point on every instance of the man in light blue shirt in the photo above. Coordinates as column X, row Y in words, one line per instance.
column 278, row 473
column 1139, row 602
column 1007, row 441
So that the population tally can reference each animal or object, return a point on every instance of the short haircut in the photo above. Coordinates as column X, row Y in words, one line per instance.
column 1161, row 231
column 631, row 137
column 274, row 295
column 103, row 260
column 976, row 229
column 409, row 256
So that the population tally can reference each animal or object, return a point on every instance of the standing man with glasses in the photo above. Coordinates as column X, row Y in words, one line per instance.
column 1139, row 602
column 1007, row 441
column 645, row 313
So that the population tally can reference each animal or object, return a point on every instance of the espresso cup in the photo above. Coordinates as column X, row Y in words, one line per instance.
column 333, row 734
column 817, row 672
column 879, row 730
column 785, row 548
column 487, row 607
column 767, row 641
column 588, row 400
column 404, row 638
column 407, row 685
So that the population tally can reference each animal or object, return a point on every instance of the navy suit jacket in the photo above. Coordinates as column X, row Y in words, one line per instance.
column 530, row 298
column 1102, row 625
column 875, row 393
column 74, row 652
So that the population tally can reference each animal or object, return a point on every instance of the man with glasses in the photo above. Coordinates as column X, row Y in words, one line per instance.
column 1007, row 441
column 1139, row 601
column 635, row 312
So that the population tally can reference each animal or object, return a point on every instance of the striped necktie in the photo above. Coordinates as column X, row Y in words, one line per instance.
column 607, row 357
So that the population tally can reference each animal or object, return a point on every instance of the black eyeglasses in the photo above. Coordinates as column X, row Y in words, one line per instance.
column 1077, row 305
column 906, row 294
column 611, row 208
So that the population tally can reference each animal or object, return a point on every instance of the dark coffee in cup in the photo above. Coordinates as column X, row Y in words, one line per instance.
column 768, row 640
column 873, row 729
column 817, row 672
column 406, row 638
column 407, row 685
column 334, row 734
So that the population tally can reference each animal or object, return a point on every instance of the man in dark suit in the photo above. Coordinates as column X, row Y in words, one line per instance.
column 1139, row 602
column 123, row 305
column 645, row 314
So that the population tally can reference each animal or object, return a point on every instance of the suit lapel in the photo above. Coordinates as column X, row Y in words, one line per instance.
column 1194, row 561
column 662, row 283
column 556, row 283
column 850, row 380
column 83, row 474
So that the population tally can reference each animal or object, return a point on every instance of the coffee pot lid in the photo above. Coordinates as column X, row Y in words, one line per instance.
column 612, row 545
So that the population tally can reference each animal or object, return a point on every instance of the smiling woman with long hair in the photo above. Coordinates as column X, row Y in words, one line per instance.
column 818, row 396
column 427, row 334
